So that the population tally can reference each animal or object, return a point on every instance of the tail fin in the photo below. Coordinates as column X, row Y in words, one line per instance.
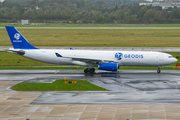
column 17, row 40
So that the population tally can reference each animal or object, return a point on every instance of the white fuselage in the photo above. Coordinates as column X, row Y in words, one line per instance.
column 84, row 57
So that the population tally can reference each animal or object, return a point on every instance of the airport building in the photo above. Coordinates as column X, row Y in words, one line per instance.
column 164, row 5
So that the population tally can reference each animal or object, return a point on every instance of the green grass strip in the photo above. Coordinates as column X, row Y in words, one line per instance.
column 98, row 25
column 97, row 38
column 38, row 68
column 58, row 85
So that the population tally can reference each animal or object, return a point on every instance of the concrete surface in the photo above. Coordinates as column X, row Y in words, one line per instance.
column 160, row 49
column 133, row 95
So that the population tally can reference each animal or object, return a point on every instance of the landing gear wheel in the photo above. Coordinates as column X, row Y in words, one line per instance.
column 158, row 71
column 89, row 70
column 86, row 70
column 92, row 70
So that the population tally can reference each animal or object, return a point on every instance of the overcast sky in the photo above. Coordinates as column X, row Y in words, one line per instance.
column 1, row 0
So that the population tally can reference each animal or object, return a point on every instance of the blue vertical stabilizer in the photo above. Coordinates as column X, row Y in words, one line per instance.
column 17, row 40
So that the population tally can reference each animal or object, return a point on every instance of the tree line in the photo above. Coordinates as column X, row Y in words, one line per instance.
column 73, row 11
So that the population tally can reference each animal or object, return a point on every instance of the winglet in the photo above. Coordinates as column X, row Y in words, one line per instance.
column 71, row 48
column 17, row 40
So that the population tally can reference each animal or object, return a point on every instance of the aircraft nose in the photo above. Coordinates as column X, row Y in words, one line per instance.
column 172, row 60
column 175, row 60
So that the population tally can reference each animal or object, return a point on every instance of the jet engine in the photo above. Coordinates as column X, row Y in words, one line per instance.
column 108, row 66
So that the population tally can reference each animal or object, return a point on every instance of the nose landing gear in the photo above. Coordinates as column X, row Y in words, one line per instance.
column 159, row 71
column 89, row 70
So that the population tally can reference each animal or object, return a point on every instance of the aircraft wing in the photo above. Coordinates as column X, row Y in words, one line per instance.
column 87, row 60
column 90, row 60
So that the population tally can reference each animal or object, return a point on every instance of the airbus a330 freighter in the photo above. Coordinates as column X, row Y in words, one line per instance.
column 104, row 60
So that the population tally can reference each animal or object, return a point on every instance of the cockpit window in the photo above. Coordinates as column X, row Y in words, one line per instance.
column 170, row 57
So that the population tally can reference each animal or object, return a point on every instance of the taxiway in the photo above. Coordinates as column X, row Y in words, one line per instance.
column 133, row 94
column 157, row 49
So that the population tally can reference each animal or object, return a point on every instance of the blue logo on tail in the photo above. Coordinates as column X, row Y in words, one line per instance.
column 17, row 36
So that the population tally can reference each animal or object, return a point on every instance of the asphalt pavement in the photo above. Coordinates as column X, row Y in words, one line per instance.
column 132, row 95
column 160, row 49
column 125, row 86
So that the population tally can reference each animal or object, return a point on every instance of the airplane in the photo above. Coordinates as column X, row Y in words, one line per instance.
column 104, row 60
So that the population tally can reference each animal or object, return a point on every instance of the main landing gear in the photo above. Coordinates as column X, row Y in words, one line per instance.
column 89, row 70
column 159, row 71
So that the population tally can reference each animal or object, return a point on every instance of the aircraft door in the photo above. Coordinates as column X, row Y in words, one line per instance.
column 157, row 59
column 161, row 57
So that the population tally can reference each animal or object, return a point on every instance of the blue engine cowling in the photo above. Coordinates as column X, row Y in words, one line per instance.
column 108, row 66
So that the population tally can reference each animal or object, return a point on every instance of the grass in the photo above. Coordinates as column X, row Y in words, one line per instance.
column 97, row 38
column 145, row 68
column 9, row 59
column 91, row 25
column 38, row 68
column 12, row 61
column 58, row 85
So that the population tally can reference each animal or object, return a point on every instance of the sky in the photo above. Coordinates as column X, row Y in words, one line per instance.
column 1, row 0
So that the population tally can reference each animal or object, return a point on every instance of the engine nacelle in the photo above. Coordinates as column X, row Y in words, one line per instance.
column 108, row 66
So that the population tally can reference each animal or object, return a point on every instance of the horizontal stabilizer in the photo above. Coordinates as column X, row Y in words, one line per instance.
column 71, row 48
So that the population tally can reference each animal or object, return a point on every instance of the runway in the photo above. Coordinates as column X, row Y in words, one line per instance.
column 133, row 94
